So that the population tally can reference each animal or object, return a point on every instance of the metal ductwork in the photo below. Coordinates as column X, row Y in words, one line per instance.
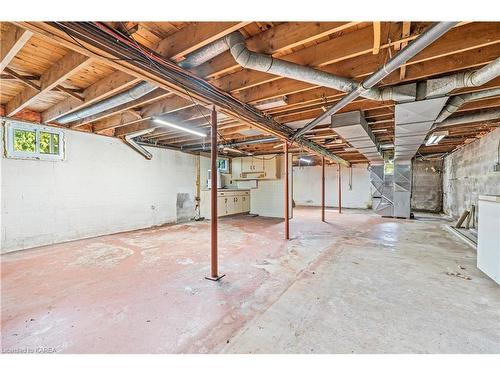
column 444, row 85
column 192, row 60
column 207, row 147
column 423, row 40
column 131, row 94
column 204, row 54
column 352, row 127
column 130, row 140
column 412, row 123
column 490, row 115
column 268, row 64
column 456, row 102
column 393, row 182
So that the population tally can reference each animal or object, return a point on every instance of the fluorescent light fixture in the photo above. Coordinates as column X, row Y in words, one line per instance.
column 305, row 160
column 272, row 103
column 236, row 150
column 435, row 138
column 378, row 130
column 350, row 149
column 279, row 145
column 179, row 127
column 233, row 150
column 386, row 146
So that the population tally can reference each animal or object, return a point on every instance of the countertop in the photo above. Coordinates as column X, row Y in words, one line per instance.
column 227, row 189
column 490, row 198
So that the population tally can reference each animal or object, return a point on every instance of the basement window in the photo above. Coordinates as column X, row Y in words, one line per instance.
column 223, row 165
column 31, row 141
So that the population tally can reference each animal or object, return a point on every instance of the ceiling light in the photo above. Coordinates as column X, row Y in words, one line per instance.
column 305, row 160
column 435, row 138
column 279, row 145
column 232, row 150
column 385, row 146
column 350, row 149
column 179, row 127
column 379, row 130
column 236, row 150
column 272, row 103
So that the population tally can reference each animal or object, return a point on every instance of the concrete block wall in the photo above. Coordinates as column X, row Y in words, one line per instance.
column 468, row 173
column 307, row 186
column 268, row 199
column 427, row 185
column 102, row 187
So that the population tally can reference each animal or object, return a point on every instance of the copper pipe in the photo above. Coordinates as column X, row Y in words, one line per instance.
column 287, row 199
column 323, row 188
column 340, row 188
column 213, row 196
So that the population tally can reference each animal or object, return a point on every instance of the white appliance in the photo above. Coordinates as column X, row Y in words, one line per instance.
column 219, row 179
column 488, row 244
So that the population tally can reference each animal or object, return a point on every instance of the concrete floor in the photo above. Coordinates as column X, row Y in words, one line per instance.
column 356, row 284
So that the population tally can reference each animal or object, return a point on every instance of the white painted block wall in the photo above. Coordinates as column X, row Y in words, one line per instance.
column 307, row 186
column 268, row 198
column 102, row 187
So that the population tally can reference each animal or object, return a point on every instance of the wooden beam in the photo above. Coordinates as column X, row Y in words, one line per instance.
column 13, row 39
column 274, row 41
column 22, row 79
column 405, row 32
column 56, row 74
column 376, row 37
column 443, row 61
column 350, row 49
column 105, row 87
column 169, row 110
column 194, row 36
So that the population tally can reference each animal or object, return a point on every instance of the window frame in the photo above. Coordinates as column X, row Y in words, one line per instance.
column 10, row 152
column 228, row 168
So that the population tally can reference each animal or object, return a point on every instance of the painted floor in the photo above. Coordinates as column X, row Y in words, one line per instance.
column 356, row 284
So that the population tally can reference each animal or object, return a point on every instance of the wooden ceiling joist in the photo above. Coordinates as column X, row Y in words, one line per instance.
column 13, row 39
column 107, row 86
column 48, row 81
column 350, row 49
column 195, row 36
column 273, row 41
column 148, row 98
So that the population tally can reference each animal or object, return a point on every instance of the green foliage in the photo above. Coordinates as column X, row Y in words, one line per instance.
column 49, row 143
column 24, row 140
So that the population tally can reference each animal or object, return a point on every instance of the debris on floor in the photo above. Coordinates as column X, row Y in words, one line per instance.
column 458, row 274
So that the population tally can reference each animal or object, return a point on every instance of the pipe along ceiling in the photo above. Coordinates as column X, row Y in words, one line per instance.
column 235, row 43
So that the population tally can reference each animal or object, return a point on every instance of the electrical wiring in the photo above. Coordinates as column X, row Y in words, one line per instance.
column 152, row 63
column 139, row 47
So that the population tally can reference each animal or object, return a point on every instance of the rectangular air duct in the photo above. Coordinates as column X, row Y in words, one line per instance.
column 352, row 127
column 412, row 123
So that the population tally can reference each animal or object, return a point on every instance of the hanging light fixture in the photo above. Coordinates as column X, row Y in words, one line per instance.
column 179, row 127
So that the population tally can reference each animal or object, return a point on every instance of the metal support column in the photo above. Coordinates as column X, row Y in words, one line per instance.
column 214, row 273
column 323, row 188
column 340, row 188
column 287, row 198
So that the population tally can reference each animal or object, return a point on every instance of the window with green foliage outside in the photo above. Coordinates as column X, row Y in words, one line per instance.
column 49, row 143
column 33, row 141
column 24, row 140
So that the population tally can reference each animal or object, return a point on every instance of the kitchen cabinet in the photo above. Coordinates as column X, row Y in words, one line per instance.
column 229, row 202
column 255, row 167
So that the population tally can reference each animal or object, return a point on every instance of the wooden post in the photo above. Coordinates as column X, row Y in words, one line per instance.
column 214, row 273
column 340, row 188
column 323, row 188
column 287, row 198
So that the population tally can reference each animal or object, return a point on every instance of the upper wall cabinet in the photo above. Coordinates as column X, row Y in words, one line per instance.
column 255, row 167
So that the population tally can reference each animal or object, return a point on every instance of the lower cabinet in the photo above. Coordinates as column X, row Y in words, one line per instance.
column 228, row 202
